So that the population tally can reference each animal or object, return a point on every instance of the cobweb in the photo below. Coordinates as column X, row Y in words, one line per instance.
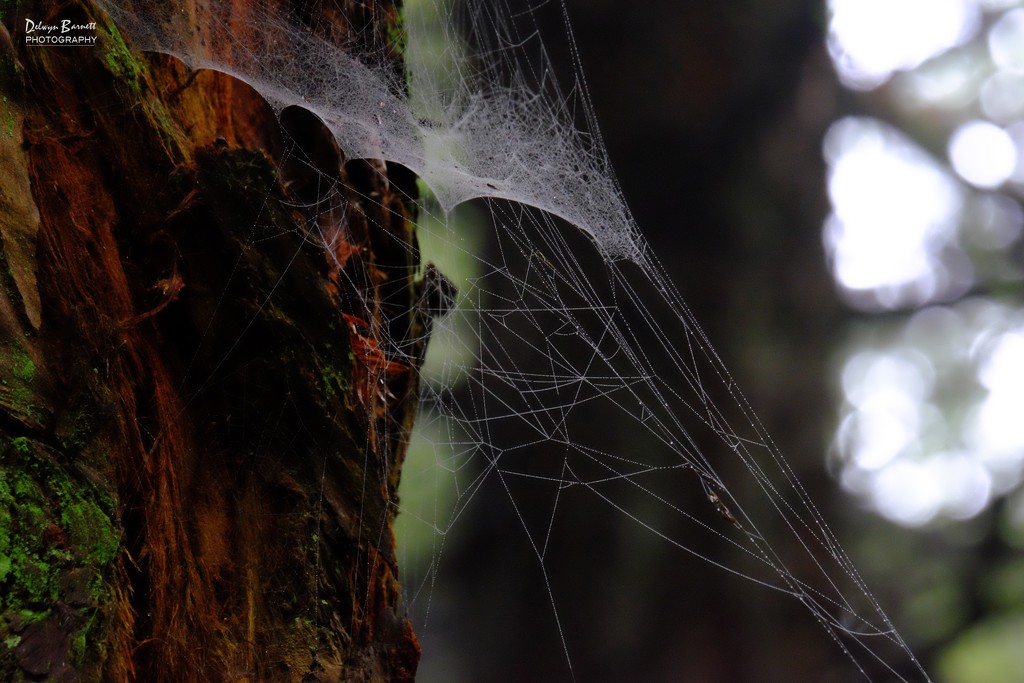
column 564, row 364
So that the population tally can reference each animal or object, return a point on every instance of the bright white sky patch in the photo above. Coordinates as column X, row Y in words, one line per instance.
column 995, row 425
column 894, row 212
column 1016, row 133
column 888, row 392
column 915, row 492
column 1006, row 41
column 983, row 154
column 929, row 430
column 870, row 39
column 996, row 5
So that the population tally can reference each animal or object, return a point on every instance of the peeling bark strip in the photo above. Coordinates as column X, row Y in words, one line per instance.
column 198, row 445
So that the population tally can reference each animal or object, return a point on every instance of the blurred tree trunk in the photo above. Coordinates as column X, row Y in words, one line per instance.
column 196, row 455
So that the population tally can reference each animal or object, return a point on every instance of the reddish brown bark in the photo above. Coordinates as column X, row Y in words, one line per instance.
column 195, row 379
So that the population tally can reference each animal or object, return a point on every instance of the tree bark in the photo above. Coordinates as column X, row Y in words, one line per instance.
column 200, row 441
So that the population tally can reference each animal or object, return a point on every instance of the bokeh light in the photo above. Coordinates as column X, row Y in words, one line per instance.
column 1006, row 41
column 930, row 422
column 871, row 39
column 929, row 425
column 983, row 154
column 891, row 238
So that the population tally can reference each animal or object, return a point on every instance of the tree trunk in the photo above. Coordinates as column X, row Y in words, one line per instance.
column 200, row 441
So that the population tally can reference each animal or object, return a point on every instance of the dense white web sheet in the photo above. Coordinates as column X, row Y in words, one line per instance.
column 465, row 134
column 572, row 341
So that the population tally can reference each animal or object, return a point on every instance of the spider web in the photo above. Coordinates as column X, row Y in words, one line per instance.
column 566, row 367
column 591, row 381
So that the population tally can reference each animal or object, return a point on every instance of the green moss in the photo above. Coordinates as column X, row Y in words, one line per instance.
column 87, row 640
column 397, row 36
column 119, row 59
column 5, row 534
column 9, row 122
column 161, row 119
column 34, row 576
column 17, row 384
column 239, row 174
column 23, row 367
column 335, row 382
column 93, row 536
column 20, row 444
column 27, row 574
column 50, row 524
column 58, row 538
column 79, row 646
